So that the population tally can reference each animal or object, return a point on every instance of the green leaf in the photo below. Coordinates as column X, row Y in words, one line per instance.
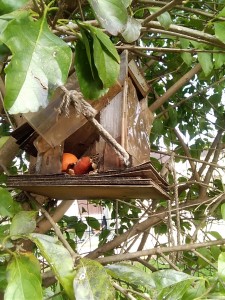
column 88, row 43
column 39, row 70
column 132, row 30
column 8, row 207
column 92, row 282
column 24, row 279
column 105, row 41
column 4, row 232
column 221, row 266
column 184, row 43
column 126, row 3
column 219, row 59
column 175, row 291
column 3, row 140
column 187, row 58
column 58, row 258
column 91, row 87
column 215, row 234
column 7, row 6
column 164, row 19
column 166, row 278
column 157, row 127
column 223, row 210
column 80, row 228
column 205, row 60
column 23, row 222
column 215, row 250
column 108, row 68
column 220, row 31
column 172, row 114
column 93, row 223
column 102, row 53
column 3, row 279
column 221, row 13
column 195, row 290
column 205, row 253
column 131, row 274
column 111, row 14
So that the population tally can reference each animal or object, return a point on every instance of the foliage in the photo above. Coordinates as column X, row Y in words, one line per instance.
column 41, row 43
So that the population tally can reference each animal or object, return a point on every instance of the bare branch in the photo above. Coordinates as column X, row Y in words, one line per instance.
column 165, row 50
column 173, row 89
column 191, row 158
column 56, row 228
column 155, row 251
column 44, row 225
column 188, row 154
column 189, row 32
column 167, row 7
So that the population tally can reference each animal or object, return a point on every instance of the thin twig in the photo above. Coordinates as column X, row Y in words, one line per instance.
column 188, row 154
column 176, row 198
column 204, row 258
column 56, row 228
column 189, row 158
column 169, row 261
column 123, row 291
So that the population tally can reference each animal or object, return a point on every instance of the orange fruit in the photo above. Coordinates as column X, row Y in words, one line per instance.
column 67, row 159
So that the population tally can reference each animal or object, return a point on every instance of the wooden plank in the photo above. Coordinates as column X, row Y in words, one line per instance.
column 131, row 183
column 138, row 78
column 48, row 159
column 76, row 180
column 143, row 171
column 138, row 127
column 71, row 192
column 55, row 128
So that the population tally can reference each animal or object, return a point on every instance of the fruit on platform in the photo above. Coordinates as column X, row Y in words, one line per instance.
column 68, row 159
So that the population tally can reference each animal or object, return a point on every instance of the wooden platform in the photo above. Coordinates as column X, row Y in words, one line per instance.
column 141, row 182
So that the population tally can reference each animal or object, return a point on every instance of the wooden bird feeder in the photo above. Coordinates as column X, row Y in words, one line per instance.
column 124, row 113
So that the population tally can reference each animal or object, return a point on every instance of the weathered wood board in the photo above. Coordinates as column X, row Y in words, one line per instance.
column 141, row 182
column 80, row 189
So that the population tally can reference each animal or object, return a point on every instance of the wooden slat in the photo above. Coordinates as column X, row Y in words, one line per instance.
column 138, row 78
column 139, row 182
column 70, row 192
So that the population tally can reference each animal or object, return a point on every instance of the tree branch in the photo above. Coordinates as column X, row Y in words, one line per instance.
column 167, row 7
column 155, row 251
column 210, row 152
column 188, row 154
column 208, row 175
column 189, row 32
column 181, row 7
column 57, row 230
column 191, row 158
column 44, row 225
column 164, row 50
column 123, row 291
column 173, row 89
